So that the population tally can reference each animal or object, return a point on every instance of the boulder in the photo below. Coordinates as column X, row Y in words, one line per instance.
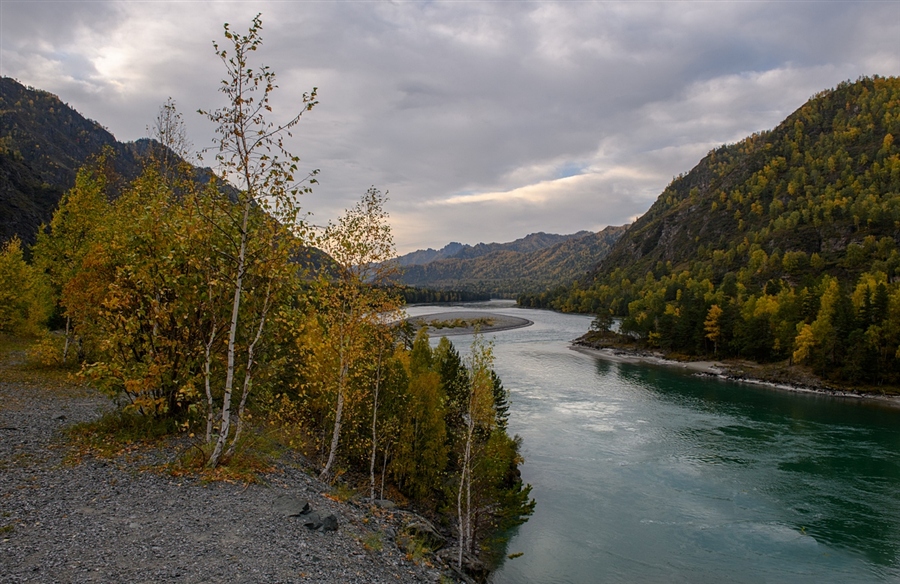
column 291, row 506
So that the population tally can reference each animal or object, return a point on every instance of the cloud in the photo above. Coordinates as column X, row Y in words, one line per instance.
column 484, row 120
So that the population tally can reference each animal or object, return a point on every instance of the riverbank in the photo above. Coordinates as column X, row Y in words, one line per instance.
column 778, row 376
column 73, row 515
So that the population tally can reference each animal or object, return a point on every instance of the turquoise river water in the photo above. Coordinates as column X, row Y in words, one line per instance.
column 650, row 474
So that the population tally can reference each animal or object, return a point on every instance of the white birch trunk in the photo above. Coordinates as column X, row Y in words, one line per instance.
column 336, row 434
column 384, row 460
column 465, row 479
column 374, row 430
column 209, row 398
column 248, row 373
column 339, row 410
column 232, row 339
column 66, row 346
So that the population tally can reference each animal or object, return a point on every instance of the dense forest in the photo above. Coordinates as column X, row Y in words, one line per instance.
column 783, row 246
column 183, row 296
column 428, row 296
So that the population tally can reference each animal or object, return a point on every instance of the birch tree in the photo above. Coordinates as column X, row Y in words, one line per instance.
column 25, row 300
column 355, row 299
column 479, row 415
column 62, row 245
column 251, row 155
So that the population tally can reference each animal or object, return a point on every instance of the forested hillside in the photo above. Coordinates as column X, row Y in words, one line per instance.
column 43, row 143
column 782, row 246
column 529, row 264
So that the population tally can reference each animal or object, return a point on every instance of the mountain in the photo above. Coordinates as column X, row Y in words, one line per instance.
column 529, row 243
column 529, row 264
column 784, row 245
column 425, row 256
column 44, row 142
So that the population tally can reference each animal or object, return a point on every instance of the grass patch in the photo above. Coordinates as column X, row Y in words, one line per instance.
column 7, row 529
column 117, row 433
column 252, row 458
column 20, row 362
column 374, row 542
column 342, row 493
column 244, row 467
column 417, row 551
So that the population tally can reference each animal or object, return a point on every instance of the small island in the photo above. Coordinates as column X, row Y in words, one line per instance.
column 445, row 324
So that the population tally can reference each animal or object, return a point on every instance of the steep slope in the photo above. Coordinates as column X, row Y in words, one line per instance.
column 822, row 180
column 521, row 266
column 43, row 142
column 785, row 245
column 824, row 183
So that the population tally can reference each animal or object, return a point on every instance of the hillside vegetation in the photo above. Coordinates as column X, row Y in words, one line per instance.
column 530, row 264
column 185, row 300
column 782, row 246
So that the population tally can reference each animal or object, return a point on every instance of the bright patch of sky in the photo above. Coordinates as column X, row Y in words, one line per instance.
column 484, row 120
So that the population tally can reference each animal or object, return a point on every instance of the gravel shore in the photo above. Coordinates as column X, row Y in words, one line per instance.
column 99, row 520
column 732, row 372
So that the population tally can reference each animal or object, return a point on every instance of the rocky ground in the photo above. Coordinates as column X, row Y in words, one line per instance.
column 123, row 519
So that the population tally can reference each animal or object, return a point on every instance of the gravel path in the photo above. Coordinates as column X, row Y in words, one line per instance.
column 108, row 521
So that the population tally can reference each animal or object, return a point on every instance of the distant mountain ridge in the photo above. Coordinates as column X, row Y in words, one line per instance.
column 529, row 264
column 425, row 256
column 529, row 243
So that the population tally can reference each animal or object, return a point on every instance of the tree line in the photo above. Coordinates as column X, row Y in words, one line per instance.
column 414, row 295
column 189, row 302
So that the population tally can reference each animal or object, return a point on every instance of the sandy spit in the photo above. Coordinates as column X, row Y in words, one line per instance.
column 501, row 322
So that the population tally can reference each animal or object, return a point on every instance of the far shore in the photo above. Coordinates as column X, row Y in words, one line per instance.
column 723, row 370
column 624, row 356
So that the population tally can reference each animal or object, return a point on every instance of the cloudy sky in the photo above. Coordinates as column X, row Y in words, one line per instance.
column 485, row 120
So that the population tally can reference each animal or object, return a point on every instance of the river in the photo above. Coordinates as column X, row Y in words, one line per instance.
column 649, row 474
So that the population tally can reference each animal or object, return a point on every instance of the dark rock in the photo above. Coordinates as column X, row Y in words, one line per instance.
column 330, row 523
column 312, row 520
column 319, row 521
column 291, row 506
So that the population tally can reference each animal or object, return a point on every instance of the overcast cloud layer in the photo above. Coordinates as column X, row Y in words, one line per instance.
column 486, row 121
